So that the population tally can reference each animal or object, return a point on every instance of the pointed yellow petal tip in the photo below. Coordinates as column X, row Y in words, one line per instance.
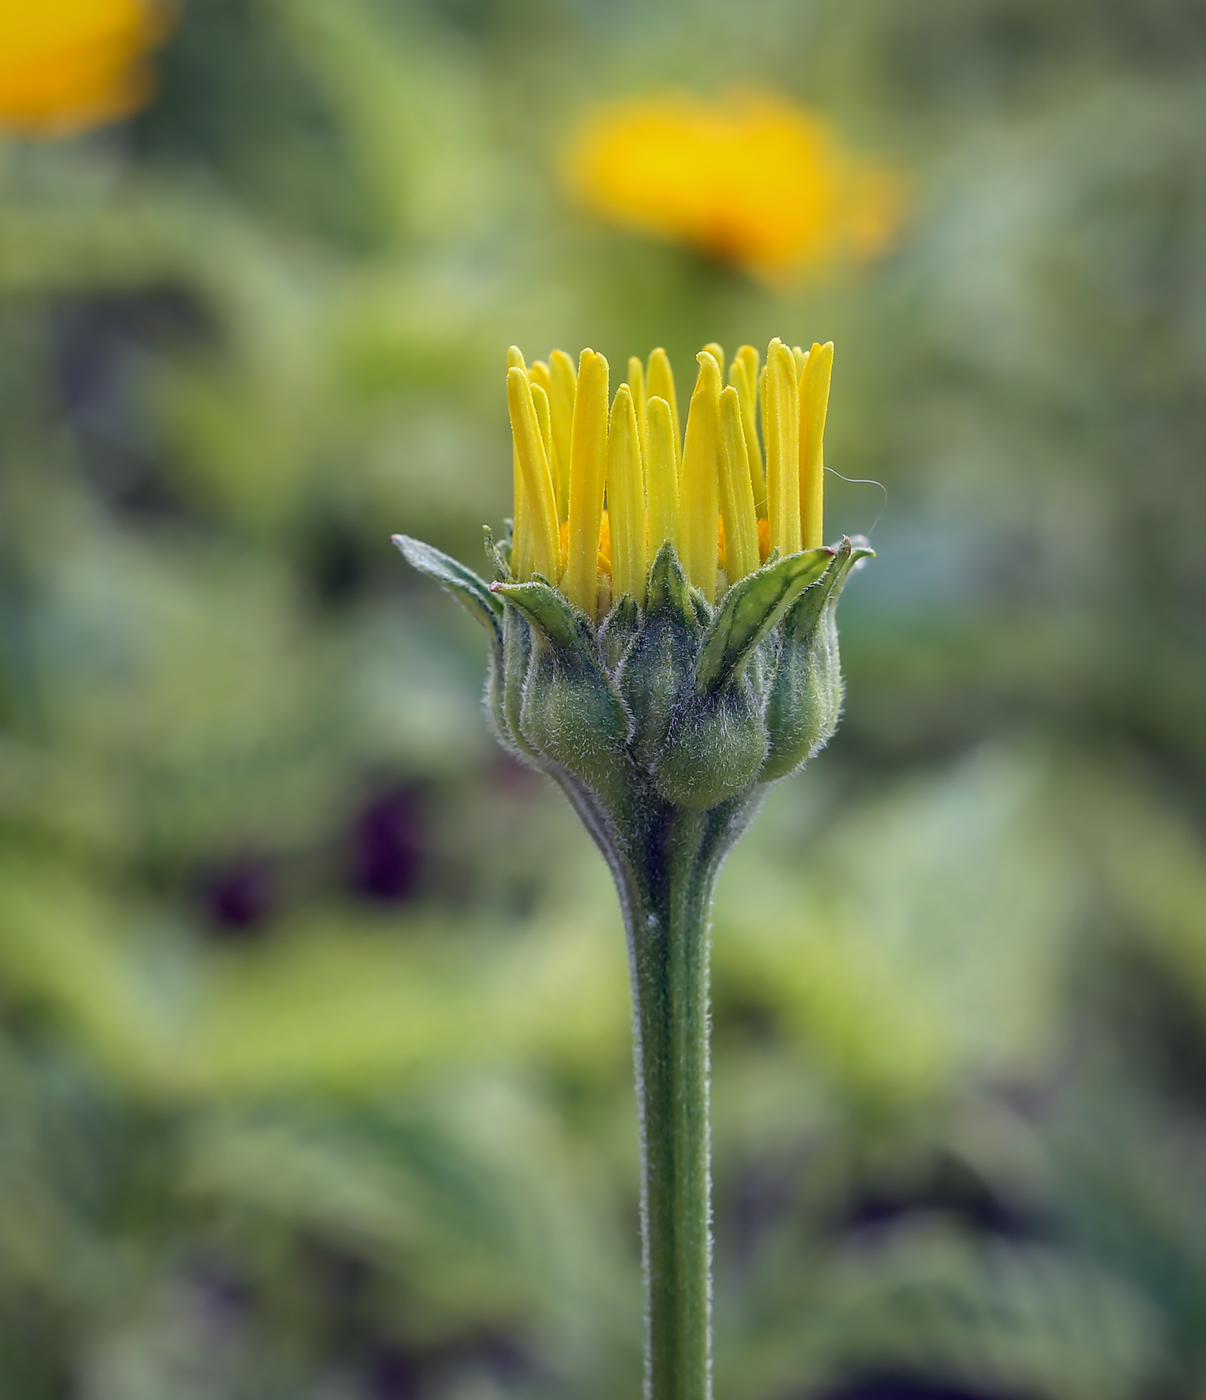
column 536, row 505
column 588, row 475
column 814, row 408
column 626, row 510
column 699, row 480
column 601, row 482
column 781, row 422
column 737, row 511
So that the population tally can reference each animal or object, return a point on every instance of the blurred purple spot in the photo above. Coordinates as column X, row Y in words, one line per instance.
column 394, row 1375
column 221, row 1294
column 905, row 1388
column 388, row 846
column 959, row 1195
column 239, row 897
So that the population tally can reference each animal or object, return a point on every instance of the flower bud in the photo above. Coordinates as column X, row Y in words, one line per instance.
column 805, row 697
column 716, row 668
column 716, row 746
column 571, row 712
column 662, row 659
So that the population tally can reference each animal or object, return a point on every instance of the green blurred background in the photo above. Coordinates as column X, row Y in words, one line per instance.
column 314, row 1064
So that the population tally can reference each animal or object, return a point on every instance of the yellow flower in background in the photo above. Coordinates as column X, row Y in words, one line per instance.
column 752, row 180
column 67, row 65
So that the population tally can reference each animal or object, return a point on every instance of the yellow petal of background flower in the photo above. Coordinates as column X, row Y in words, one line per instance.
column 67, row 65
column 754, row 180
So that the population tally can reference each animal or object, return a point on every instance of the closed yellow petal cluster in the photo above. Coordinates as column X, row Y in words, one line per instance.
column 602, row 482
column 67, row 65
column 753, row 180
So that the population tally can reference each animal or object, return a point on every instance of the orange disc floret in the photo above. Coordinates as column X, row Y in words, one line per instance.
column 764, row 545
column 67, row 65
column 605, row 545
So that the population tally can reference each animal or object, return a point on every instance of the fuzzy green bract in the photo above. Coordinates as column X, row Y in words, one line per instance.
column 676, row 702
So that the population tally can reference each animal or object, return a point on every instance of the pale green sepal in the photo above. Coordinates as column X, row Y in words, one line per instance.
column 572, row 713
column 805, row 700
column 669, row 592
column 464, row 585
column 552, row 614
column 763, row 664
column 860, row 550
column 749, row 610
column 517, row 655
column 702, row 608
column 620, row 627
column 716, row 746
column 658, row 664
column 492, row 699
column 500, row 563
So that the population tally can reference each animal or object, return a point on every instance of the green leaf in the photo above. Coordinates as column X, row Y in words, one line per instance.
column 749, row 610
column 462, row 583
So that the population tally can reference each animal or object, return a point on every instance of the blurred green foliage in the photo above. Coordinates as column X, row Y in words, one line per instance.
column 314, row 1066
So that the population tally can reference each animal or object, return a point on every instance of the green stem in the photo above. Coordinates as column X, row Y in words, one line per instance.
column 665, row 862
column 668, row 944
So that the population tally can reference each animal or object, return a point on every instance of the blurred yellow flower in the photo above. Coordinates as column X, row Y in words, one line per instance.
column 753, row 180
column 66, row 65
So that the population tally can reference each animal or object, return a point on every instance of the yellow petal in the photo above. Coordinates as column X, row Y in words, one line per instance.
column 660, row 381
column 814, row 406
column 626, row 500
column 564, row 386
column 636, row 384
column 588, row 472
column 538, row 373
column 699, row 506
column 781, row 409
column 744, row 376
column 540, row 518
column 736, row 494
column 540, row 402
column 663, row 476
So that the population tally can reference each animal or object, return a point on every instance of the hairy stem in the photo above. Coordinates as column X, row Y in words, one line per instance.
column 665, row 860
column 668, row 942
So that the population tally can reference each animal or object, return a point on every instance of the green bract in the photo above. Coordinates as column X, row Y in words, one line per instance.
column 678, row 702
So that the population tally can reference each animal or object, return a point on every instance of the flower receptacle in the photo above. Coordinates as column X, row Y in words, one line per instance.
column 804, row 699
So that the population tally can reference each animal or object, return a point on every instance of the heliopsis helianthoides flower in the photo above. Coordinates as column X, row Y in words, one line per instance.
column 662, row 644
column 67, row 65
column 753, row 180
